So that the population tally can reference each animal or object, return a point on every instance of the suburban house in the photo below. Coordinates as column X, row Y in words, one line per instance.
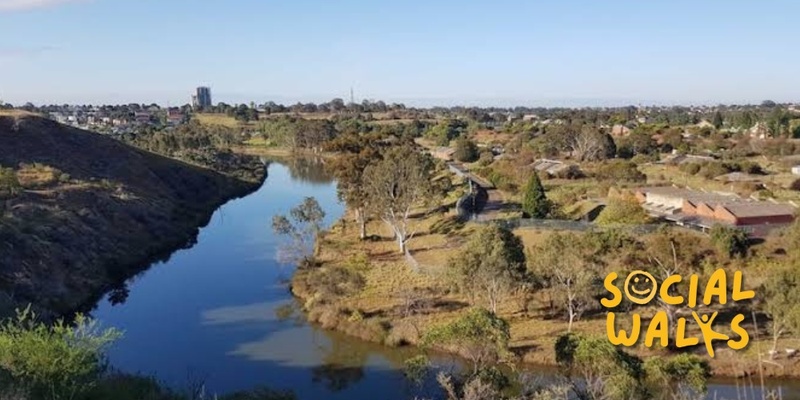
column 554, row 167
column 174, row 116
column 796, row 170
column 703, row 210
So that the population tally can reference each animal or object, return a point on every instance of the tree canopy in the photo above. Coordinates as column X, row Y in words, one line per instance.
column 491, row 264
column 535, row 203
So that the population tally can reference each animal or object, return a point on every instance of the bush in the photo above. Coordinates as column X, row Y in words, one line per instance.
column 795, row 185
column 9, row 184
column 53, row 362
column 623, row 209
column 712, row 170
column 335, row 281
column 571, row 172
column 690, row 168
column 619, row 170
column 466, row 151
column 729, row 240
column 486, row 158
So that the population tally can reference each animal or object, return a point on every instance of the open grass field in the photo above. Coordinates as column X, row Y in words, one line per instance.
column 220, row 119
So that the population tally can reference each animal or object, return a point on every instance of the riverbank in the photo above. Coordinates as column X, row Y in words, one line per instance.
column 83, row 212
column 396, row 305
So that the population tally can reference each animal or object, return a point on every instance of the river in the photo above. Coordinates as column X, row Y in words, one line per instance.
column 220, row 312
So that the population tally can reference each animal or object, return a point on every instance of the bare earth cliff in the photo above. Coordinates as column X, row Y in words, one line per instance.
column 87, row 211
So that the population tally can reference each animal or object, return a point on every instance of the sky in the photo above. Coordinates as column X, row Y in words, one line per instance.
column 419, row 52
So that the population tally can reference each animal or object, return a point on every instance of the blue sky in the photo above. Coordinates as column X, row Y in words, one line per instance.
column 503, row 52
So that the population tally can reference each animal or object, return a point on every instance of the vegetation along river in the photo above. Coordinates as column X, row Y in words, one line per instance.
column 220, row 312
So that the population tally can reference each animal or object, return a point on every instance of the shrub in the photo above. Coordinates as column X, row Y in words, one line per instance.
column 9, row 184
column 712, row 170
column 571, row 172
column 480, row 336
column 54, row 362
column 335, row 281
column 795, row 185
column 623, row 209
column 466, row 150
column 690, row 168
column 619, row 170
column 486, row 158
column 729, row 240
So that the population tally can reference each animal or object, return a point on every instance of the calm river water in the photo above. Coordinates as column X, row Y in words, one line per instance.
column 214, row 312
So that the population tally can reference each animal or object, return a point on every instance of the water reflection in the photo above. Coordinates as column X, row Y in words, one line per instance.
column 306, row 168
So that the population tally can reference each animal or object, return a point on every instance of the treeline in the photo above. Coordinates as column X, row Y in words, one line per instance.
column 206, row 145
column 313, row 134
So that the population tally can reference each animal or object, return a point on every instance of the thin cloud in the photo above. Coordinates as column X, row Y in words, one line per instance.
column 21, row 5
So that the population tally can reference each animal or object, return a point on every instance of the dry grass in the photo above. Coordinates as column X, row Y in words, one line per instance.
column 34, row 176
column 16, row 113
column 220, row 119
column 391, row 284
column 487, row 136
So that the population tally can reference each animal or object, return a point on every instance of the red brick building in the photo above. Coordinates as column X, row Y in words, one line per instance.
column 704, row 209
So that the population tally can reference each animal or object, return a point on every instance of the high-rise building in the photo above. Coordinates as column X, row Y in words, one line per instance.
column 202, row 97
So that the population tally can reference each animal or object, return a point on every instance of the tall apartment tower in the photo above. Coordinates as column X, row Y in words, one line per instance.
column 202, row 97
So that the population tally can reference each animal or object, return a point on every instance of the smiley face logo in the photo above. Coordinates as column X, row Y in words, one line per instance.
column 640, row 287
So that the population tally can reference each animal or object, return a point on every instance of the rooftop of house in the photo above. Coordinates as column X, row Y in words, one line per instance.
column 739, row 177
column 759, row 209
column 740, row 207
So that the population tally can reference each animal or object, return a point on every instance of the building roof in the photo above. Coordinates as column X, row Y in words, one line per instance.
column 759, row 209
column 739, row 207
column 739, row 177
column 551, row 167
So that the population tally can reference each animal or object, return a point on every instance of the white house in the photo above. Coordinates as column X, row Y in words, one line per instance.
column 796, row 170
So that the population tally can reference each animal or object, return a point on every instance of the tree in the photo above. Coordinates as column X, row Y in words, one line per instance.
column 595, row 369
column 466, row 150
column 622, row 209
column 592, row 145
column 730, row 241
column 396, row 185
column 445, row 131
column 480, row 336
column 598, row 370
column 492, row 263
column 303, row 227
column 535, row 203
column 717, row 120
column 683, row 374
column 356, row 153
column 781, row 293
column 573, row 282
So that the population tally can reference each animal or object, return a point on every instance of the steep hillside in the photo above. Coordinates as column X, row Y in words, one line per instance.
column 80, row 212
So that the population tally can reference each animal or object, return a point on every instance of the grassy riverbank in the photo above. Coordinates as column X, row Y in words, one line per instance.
column 396, row 305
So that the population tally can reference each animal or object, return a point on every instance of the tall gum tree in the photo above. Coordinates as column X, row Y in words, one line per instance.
column 356, row 152
column 397, row 185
